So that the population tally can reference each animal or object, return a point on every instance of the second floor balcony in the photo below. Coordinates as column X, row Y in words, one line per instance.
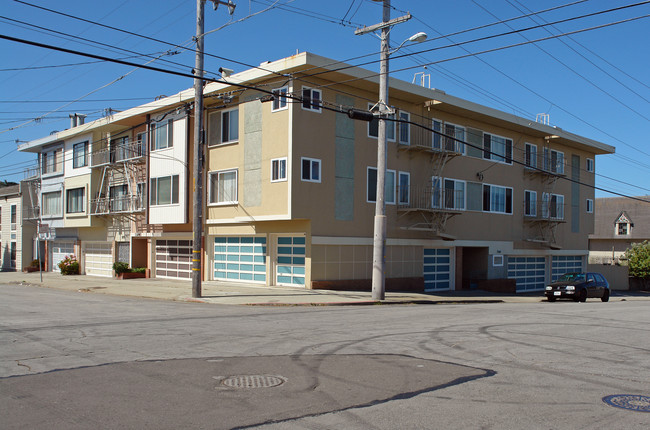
column 117, row 205
column 429, row 198
column 31, row 212
column 118, row 153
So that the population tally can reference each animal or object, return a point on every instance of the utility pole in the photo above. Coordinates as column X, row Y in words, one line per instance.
column 379, row 239
column 199, row 140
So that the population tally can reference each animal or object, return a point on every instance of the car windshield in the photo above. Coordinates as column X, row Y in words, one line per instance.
column 572, row 277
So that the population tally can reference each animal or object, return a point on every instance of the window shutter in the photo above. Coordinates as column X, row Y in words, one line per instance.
column 509, row 200
column 486, row 198
column 508, row 151
column 487, row 146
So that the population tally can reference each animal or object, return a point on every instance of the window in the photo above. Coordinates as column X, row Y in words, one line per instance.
column 497, row 148
column 590, row 165
column 162, row 135
column 373, row 126
column 590, row 206
column 13, row 217
column 310, row 170
column 164, row 190
column 119, row 198
column 12, row 251
column 497, row 199
column 454, row 138
column 140, row 198
column 622, row 229
column 454, row 195
column 436, row 138
column 389, row 186
column 436, row 192
column 530, row 203
column 223, row 187
column 311, row 99
column 51, row 161
column 404, row 188
column 279, row 170
column 404, row 128
column 280, row 99
column 530, row 155
column 74, row 200
column 552, row 206
column 553, row 161
column 230, row 126
column 497, row 260
column 51, row 203
column 79, row 155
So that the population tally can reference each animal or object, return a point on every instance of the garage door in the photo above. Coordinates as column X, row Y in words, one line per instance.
column 437, row 269
column 174, row 259
column 59, row 251
column 98, row 259
column 564, row 264
column 290, row 264
column 240, row 258
column 529, row 272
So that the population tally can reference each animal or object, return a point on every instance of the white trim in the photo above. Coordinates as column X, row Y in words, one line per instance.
column 386, row 201
column 320, row 99
column 590, row 206
column 286, row 102
column 231, row 141
column 590, row 167
column 399, row 188
column 533, row 195
column 225, row 202
column 533, row 161
column 311, row 170
column 286, row 173
column 249, row 219
column 399, row 125
column 495, row 262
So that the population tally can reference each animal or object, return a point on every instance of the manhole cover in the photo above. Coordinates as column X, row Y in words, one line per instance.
column 629, row 401
column 253, row 381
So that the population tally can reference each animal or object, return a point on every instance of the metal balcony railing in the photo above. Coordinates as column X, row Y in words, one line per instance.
column 117, row 153
column 116, row 205
column 544, row 210
column 422, row 138
column 429, row 198
column 32, row 172
column 31, row 212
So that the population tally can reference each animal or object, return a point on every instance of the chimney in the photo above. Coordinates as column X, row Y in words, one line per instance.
column 77, row 119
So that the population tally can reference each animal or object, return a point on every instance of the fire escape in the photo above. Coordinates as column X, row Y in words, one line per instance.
column 431, row 205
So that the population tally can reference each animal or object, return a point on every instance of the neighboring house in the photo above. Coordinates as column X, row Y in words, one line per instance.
column 475, row 197
column 619, row 223
column 16, row 249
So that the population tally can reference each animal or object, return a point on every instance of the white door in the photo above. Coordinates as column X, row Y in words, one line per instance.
column 98, row 258
column 60, row 250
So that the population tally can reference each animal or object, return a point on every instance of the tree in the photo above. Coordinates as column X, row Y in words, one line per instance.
column 638, row 260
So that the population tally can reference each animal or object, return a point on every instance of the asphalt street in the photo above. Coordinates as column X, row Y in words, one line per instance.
column 71, row 360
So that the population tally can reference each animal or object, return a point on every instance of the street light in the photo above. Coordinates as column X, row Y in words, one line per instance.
column 379, row 237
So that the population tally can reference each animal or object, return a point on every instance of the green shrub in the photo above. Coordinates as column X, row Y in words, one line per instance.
column 121, row 267
column 69, row 265
column 35, row 263
column 139, row 270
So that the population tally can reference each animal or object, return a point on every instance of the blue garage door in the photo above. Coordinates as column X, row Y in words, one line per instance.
column 564, row 264
column 240, row 258
column 529, row 272
column 290, row 267
column 437, row 269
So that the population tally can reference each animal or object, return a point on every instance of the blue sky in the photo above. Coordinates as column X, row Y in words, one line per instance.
column 592, row 83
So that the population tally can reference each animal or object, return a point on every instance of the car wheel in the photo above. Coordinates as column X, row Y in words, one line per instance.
column 605, row 297
column 582, row 296
column 550, row 298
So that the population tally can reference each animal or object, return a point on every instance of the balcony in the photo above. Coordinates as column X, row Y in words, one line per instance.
column 32, row 173
column 543, row 211
column 117, row 205
column 117, row 154
column 421, row 139
column 31, row 212
column 429, row 199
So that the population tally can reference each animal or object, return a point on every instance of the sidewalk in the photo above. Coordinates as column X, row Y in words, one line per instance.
column 251, row 294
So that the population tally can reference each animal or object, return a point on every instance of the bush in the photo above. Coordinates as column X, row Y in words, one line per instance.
column 121, row 267
column 638, row 260
column 69, row 265
column 35, row 263
column 139, row 270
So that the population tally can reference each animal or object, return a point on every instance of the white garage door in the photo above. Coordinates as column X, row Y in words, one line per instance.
column 437, row 269
column 174, row 259
column 60, row 250
column 98, row 258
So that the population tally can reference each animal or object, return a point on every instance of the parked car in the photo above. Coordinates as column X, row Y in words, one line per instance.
column 578, row 286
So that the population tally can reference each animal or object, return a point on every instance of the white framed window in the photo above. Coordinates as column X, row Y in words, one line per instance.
column 51, row 203
column 404, row 188
column 162, row 135
column 497, row 260
column 310, row 169
column 14, row 216
column 74, row 200
column 52, row 161
column 311, row 99
column 79, row 155
column 553, row 161
column 389, row 186
column 280, row 99
column 497, row 148
column 590, row 206
column 454, row 138
column 622, row 228
column 497, row 199
column 590, row 164
column 530, row 203
column 373, row 126
column 223, row 187
column 404, row 128
column 279, row 169
column 454, row 194
column 436, row 138
column 163, row 190
column 530, row 155
column 552, row 206
column 230, row 126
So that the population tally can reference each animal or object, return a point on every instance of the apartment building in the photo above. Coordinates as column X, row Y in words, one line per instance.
column 16, row 246
column 475, row 197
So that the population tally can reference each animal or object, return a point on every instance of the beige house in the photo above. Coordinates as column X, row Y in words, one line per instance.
column 16, row 246
column 475, row 197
